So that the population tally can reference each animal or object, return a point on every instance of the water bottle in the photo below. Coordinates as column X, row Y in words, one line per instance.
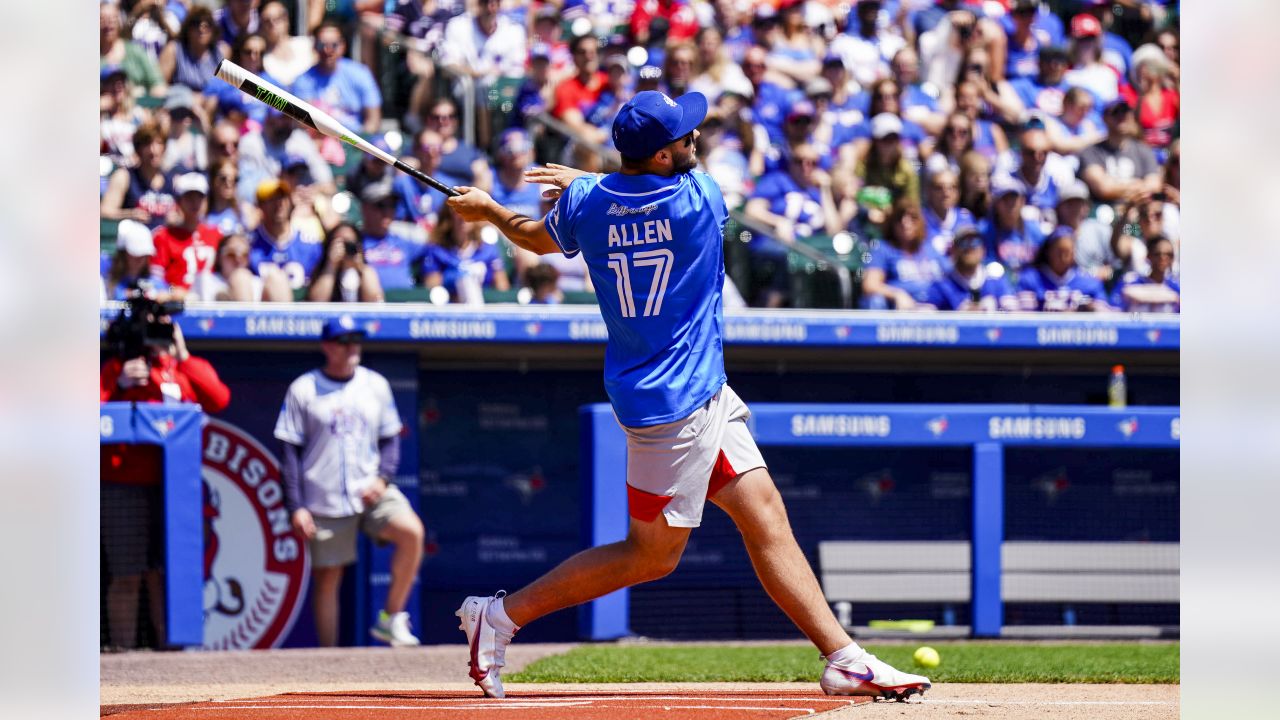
column 1117, row 390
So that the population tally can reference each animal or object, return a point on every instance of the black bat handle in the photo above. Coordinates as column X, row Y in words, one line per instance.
column 425, row 178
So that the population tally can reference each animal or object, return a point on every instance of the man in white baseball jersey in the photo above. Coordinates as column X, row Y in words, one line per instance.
column 341, row 437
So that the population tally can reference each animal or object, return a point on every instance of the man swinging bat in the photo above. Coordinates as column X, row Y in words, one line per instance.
column 651, row 236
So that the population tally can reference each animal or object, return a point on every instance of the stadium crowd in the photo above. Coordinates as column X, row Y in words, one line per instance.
column 956, row 154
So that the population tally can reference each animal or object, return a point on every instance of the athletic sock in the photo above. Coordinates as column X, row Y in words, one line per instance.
column 498, row 619
column 847, row 654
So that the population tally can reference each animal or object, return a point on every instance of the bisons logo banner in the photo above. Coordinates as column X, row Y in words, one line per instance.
column 255, row 565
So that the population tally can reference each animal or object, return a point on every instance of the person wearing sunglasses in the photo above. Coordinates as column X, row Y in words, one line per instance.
column 231, row 278
column 652, row 235
column 794, row 201
column 1045, row 89
column 1121, row 167
column 391, row 256
column 1053, row 283
column 191, row 59
column 338, row 85
column 1156, row 291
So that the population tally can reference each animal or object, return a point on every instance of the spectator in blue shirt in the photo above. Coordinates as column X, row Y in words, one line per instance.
column 391, row 256
column 276, row 244
column 1158, row 290
column 1044, row 91
column 918, row 101
column 1038, row 185
column 458, row 260
column 339, row 86
column 1010, row 238
column 1054, row 283
column 129, row 269
column 968, row 286
column 1024, row 40
column 770, row 101
column 417, row 202
column 1078, row 127
column 1116, row 51
column 617, row 91
column 795, row 202
column 902, row 266
column 942, row 217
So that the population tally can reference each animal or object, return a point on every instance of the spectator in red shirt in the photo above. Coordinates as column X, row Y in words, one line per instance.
column 680, row 21
column 131, row 492
column 1158, row 99
column 188, row 248
column 577, row 94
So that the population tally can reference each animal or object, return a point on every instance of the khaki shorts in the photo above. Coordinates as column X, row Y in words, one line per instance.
column 672, row 469
column 334, row 543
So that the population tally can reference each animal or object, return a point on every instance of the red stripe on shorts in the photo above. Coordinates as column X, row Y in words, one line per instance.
column 645, row 506
column 721, row 474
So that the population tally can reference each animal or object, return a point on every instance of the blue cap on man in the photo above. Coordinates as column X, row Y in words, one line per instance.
column 342, row 327
column 650, row 121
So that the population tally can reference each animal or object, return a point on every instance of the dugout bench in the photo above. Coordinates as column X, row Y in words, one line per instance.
column 1061, row 573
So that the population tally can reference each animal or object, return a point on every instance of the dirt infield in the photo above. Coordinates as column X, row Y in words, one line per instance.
column 430, row 684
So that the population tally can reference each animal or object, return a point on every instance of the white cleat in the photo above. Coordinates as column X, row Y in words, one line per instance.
column 870, row 676
column 394, row 630
column 488, row 646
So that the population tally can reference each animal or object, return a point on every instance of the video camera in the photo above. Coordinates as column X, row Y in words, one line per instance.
column 139, row 326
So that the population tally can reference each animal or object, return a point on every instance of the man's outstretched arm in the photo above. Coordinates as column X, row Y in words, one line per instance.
column 475, row 205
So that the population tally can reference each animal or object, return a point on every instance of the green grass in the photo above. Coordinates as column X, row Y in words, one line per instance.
column 961, row 663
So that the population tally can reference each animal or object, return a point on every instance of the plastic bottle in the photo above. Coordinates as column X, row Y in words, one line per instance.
column 1117, row 389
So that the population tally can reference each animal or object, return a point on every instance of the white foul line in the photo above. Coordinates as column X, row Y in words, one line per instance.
column 1047, row 702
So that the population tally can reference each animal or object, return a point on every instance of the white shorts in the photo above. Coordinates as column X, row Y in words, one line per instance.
column 673, row 468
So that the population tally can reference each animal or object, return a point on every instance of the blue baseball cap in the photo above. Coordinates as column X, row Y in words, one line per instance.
column 650, row 121
column 342, row 327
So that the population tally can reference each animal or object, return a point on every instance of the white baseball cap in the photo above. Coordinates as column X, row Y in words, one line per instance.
column 135, row 239
column 191, row 182
column 884, row 125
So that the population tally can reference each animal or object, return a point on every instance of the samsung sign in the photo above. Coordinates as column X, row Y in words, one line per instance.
column 1035, row 428
column 840, row 426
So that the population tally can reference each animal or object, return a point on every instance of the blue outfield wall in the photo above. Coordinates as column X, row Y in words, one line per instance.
column 492, row 453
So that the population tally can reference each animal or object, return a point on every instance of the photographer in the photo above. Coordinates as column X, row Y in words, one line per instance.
column 149, row 362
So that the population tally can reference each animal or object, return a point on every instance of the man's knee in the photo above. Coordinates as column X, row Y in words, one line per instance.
column 405, row 529
column 656, row 556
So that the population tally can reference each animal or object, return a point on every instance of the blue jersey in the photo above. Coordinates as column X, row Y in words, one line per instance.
column 526, row 199
column 1040, row 289
column 484, row 260
column 393, row 258
column 913, row 272
column 770, row 109
column 418, row 203
column 1132, row 278
column 801, row 205
column 939, row 232
column 296, row 259
column 345, row 94
column 1045, row 98
column 1015, row 249
column 227, row 220
column 654, row 248
column 952, row 291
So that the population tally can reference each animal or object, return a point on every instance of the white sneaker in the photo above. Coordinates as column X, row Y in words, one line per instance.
column 488, row 646
column 394, row 630
column 870, row 676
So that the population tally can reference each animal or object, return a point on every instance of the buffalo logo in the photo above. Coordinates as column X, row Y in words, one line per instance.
column 1052, row 484
column 877, row 484
column 527, row 485
column 937, row 425
column 1128, row 427
column 255, row 565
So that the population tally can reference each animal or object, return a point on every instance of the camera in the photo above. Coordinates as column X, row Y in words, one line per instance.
column 351, row 248
column 140, row 326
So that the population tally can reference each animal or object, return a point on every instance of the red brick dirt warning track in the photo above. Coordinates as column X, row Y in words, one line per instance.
column 452, row 705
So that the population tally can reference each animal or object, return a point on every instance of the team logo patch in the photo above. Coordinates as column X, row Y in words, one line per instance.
column 668, row 100
column 256, row 567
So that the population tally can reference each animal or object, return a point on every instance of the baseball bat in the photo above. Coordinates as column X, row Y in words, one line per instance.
column 307, row 114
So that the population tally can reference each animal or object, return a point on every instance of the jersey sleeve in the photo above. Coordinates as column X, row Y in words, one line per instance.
column 879, row 257
column 936, row 297
column 430, row 264
column 291, row 425
column 389, row 424
column 561, row 222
